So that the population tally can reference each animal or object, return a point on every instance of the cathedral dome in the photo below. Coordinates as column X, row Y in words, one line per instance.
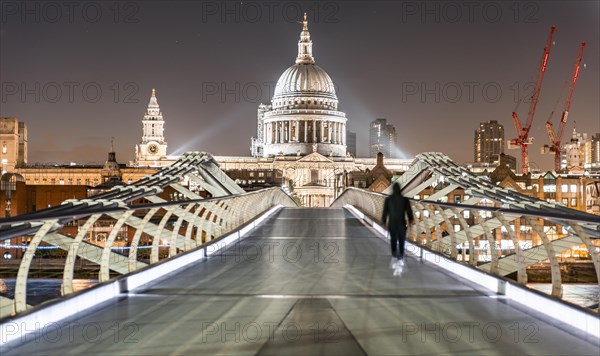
column 301, row 80
column 305, row 85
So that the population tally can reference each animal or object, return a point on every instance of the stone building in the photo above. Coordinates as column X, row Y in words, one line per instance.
column 13, row 144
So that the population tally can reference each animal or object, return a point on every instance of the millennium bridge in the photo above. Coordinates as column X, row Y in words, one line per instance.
column 252, row 273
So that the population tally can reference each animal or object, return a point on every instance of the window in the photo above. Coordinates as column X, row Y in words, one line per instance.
column 573, row 188
column 549, row 188
column 261, row 174
column 251, row 174
column 4, row 148
column 467, row 214
column 457, row 199
column 573, row 201
column 564, row 188
column 314, row 175
column 565, row 201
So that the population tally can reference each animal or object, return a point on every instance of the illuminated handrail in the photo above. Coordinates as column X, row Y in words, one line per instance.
column 183, row 225
column 433, row 229
column 219, row 216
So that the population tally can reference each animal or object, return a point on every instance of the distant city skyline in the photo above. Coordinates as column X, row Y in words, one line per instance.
column 80, row 80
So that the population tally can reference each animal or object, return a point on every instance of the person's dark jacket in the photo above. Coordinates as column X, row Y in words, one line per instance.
column 397, row 208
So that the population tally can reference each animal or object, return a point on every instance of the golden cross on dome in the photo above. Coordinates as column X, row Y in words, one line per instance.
column 153, row 92
column 305, row 22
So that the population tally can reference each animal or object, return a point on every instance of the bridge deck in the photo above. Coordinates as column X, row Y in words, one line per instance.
column 308, row 281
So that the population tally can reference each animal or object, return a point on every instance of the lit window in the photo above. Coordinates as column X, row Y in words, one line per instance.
column 564, row 188
column 4, row 148
column 573, row 188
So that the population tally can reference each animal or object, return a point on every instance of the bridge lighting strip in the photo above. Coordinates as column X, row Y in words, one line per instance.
column 565, row 315
column 30, row 322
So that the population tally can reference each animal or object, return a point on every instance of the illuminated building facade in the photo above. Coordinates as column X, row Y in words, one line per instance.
column 13, row 144
column 382, row 138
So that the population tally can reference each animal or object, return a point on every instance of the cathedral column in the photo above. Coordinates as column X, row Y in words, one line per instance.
column 292, row 130
column 266, row 131
column 338, row 133
column 276, row 138
column 314, row 133
column 343, row 134
column 280, row 128
column 322, row 138
column 335, row 133
column 331, row 132
column 305, row 131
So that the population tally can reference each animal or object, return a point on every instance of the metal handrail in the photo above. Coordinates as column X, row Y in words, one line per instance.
column 431, row 217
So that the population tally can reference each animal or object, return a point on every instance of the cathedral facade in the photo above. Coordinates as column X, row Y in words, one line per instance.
column 303, row 116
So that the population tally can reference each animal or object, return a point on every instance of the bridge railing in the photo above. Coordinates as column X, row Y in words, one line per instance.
column 512, row 239
column 176, row 226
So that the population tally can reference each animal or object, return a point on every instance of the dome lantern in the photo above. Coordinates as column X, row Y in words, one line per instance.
column 305, row 45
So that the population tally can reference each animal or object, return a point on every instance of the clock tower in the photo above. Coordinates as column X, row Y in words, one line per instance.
column 153, row 147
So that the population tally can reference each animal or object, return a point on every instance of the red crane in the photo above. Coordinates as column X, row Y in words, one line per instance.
column 555, row 140
column 523, row 140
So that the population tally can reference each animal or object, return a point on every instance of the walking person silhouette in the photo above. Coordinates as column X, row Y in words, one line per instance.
column 397, row 208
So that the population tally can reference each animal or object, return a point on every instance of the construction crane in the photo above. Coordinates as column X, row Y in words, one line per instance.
column 523, row 140
column 555, row 140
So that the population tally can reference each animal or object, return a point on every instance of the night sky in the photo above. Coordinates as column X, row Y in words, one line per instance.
column 385, row 57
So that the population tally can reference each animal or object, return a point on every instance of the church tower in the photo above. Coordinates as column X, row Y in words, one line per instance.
column 153, row 147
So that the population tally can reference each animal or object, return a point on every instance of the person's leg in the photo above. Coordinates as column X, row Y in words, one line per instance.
column 401, row 240
column 394, row 242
